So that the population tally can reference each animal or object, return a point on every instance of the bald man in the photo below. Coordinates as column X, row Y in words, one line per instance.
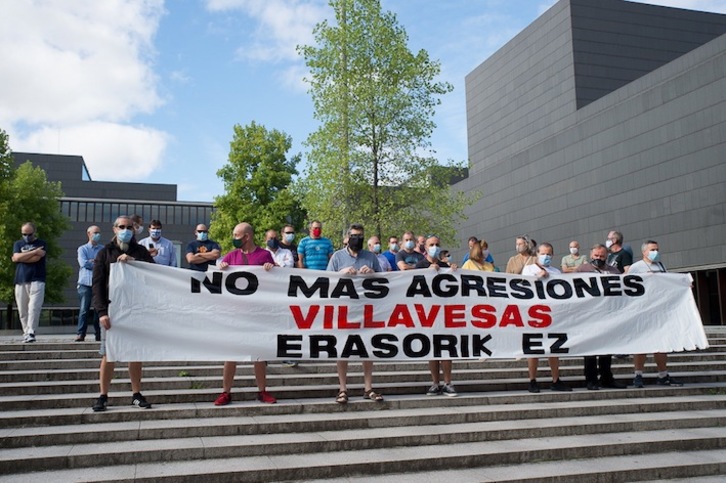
column 245, row 253
column 86, row 256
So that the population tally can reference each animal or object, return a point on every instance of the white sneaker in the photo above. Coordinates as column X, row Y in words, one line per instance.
column 29, row 338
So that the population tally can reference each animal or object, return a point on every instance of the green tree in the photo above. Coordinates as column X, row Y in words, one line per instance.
column 257, row 180
column 370, row 160
column 27, row 195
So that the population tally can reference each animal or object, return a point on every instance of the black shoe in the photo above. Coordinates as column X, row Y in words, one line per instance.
column 138, row 400
column 558, row 385
column 98, row 337
column 100, row 404
column 612, row 384
column 593, row 386
column 533, row 386
column 80, row 338
column 668, row 381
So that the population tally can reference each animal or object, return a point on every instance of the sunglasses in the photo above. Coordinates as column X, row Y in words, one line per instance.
column 125, row 227
column 202, row 231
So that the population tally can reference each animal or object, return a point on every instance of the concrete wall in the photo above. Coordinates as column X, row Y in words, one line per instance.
column 646, row 159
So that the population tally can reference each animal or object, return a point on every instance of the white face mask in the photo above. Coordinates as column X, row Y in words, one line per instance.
column 574, row 251
column 608, row 244
column 139, row 229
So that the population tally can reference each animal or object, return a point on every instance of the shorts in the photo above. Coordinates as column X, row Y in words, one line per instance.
column 102, row 349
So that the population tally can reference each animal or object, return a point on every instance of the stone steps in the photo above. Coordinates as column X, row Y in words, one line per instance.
column 159, row 393
column 19, row 372
column 176, row 462
column 680, row 466
column 495, row 429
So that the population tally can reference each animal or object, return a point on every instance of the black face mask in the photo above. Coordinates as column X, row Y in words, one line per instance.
column 355, row 242
column 597, row 263
column 273, row 243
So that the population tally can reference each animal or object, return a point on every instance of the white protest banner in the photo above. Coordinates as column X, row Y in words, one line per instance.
column 246, row 313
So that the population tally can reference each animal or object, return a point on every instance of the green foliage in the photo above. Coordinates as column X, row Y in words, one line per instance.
column 257, row 180
column 27, row 195
column 370, row 160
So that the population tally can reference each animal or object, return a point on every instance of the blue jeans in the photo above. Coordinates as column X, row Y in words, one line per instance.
column 85, row 294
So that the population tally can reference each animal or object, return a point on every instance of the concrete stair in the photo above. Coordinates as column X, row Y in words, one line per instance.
column 494, row 431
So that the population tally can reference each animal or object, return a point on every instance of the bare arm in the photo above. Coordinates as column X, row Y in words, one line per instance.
column 31, row 256
column 203, row 257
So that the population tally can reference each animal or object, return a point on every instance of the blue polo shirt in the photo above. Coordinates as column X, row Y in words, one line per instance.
column 316, row 251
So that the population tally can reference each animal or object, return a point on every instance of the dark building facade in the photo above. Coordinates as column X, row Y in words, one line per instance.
column 606, row 115
column 87, row 202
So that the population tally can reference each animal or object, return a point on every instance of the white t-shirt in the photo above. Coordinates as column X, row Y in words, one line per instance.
column 534, row 269
column 642, row 267
column 283, row 257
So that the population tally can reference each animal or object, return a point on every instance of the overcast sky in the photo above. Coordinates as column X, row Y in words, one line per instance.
column 147, row 90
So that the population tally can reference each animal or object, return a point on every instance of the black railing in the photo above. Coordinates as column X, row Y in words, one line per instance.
column 49, row 317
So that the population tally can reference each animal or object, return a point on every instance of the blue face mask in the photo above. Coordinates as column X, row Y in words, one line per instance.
column 654, row 256
column 155, row 233
column 204, row 236
column 289, row 237
column 433, row 251
column 125, row 236
column 409, row 245
column 544, row 260
column 377, row 248
column 96, row 237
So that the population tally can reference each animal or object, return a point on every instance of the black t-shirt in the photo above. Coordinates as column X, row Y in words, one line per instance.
column 410, row 258
column 620, row 260
column 29, row 272
column 205, row 246
column 426, row 264
column 293, row 248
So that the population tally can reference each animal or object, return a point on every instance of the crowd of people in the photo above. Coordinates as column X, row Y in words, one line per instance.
column 358, row 256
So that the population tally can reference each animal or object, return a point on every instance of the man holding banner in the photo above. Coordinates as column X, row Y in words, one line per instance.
column 353, row 260
column 651, row 264
column 602, row 363
column 245, row 253
column 122, row 248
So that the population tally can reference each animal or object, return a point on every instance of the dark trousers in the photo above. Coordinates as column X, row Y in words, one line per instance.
column 595, row 365
column 85, row 294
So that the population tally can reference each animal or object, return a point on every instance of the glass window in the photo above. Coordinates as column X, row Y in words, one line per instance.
column 74, row 211
column 162, row 213
column 98, row 212
column 106, row 218
column 82, row 211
